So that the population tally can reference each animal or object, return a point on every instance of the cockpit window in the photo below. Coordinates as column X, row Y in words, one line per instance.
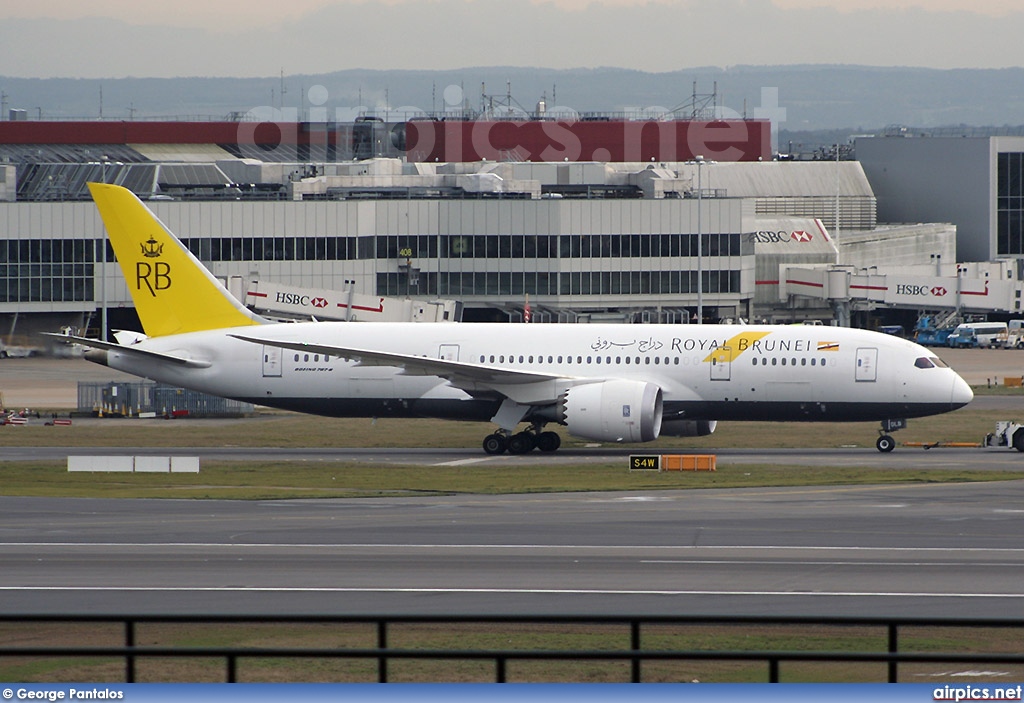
column 939, row 362
column 923, row 362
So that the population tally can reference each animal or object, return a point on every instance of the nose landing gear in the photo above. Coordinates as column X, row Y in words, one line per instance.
column 885, row 442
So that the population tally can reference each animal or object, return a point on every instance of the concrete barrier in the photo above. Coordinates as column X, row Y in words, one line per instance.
column 135, row 464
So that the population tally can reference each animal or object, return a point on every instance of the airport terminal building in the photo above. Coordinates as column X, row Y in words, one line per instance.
column 974, row 180
column 581, row 240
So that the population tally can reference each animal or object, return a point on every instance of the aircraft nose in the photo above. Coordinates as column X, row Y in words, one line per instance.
column 962, row 393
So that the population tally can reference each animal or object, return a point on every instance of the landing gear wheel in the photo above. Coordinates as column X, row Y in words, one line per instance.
column 521, row 443
column 550, row 441
column 495, row 444
column 885, row 443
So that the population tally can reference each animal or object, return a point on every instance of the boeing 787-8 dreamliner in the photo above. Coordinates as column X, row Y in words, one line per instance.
column 610, row 383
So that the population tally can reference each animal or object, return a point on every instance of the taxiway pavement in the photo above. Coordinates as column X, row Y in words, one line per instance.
column 909, row 550
column 926, row 550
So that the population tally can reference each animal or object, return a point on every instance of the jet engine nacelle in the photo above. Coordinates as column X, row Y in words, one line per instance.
column 613, row 411
column 688, row 428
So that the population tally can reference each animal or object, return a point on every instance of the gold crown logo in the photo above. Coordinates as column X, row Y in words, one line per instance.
column 152, row 248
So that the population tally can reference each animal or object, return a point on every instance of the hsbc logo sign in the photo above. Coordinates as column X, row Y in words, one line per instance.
column 918, row 290
column 780, row 237
column 303, row 300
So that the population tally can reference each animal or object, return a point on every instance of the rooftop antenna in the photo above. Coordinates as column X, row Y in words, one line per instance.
column 3, row 105
column 283, row 89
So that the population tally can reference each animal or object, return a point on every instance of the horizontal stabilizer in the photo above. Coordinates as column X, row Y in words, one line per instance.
column 129, row 350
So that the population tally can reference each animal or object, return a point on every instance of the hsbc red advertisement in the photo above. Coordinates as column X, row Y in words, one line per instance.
column 925, row 291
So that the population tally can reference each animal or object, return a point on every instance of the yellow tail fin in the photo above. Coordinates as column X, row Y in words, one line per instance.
column 173, row 292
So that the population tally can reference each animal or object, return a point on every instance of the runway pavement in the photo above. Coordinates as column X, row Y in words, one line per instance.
column 925, row 550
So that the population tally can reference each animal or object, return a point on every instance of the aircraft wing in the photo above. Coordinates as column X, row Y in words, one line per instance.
column 458, row 373
column 129, row 350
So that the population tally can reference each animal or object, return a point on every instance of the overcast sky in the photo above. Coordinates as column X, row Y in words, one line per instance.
column 251, row 38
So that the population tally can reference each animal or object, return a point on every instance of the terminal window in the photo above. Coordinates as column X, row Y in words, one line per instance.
column 1010, row 204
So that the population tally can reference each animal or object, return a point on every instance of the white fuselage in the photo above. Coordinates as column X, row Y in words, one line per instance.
column 711, row 372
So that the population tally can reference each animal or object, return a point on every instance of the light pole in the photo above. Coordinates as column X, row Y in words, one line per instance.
column 103, row 269
column 700, row 244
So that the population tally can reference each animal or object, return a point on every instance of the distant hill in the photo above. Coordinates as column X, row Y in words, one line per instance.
column 814, row 97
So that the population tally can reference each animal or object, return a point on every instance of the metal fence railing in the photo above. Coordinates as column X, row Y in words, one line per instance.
column 638, row 629
column 134, row 398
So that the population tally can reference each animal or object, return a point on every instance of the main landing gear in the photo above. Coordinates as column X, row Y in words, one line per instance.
column 885, row 442
column 522, row 442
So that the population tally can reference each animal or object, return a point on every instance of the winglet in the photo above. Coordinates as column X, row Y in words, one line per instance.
column 173, row 292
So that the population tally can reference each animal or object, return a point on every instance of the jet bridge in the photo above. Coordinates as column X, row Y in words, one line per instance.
column 977, row 288
column 295, row 303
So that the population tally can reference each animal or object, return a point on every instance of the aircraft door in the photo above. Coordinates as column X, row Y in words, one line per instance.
column 272, row 361
column 449, row 352
column 867, row 364
column 721, row 364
